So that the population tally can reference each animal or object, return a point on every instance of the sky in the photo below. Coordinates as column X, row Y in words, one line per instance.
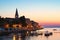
column 41, row 11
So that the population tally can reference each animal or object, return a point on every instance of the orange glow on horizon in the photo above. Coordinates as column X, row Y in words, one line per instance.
column 49, row 23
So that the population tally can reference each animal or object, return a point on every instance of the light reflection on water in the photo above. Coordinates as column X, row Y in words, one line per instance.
column 55, row 36
column 14, row 37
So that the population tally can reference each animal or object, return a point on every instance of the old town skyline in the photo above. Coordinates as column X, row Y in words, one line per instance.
column 45, row 12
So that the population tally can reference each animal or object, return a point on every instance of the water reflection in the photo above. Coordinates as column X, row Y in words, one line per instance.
column 1, row 38
column 16, row 37
column 22, row 36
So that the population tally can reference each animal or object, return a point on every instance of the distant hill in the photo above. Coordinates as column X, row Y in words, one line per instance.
column 51, row 26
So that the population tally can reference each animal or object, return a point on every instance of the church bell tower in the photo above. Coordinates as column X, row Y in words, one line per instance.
column 16, row 14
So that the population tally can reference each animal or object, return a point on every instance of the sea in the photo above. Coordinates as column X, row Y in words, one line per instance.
column 55, row 35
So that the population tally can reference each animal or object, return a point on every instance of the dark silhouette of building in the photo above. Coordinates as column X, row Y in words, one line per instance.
column 16, row 14
column 17, row 21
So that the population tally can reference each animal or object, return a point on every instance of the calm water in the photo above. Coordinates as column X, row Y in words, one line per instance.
column 55, row 36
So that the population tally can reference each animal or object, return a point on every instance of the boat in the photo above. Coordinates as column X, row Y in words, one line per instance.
column 48, row 33
column 54, row 29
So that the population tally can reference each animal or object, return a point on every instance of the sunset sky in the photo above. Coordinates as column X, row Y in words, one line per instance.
column 42, row 11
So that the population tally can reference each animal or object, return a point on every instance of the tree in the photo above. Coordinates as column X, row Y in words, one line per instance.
column 23, row 21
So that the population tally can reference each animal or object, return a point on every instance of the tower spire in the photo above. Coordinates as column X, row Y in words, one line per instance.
column 16, row 14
